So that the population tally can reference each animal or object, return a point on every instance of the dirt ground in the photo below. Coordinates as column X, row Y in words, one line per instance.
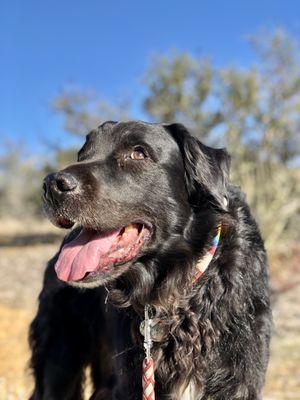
column 22, row 261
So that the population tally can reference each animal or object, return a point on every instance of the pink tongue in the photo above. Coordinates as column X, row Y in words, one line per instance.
column 82, row 254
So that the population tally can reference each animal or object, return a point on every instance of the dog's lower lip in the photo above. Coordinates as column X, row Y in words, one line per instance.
column 65, row 223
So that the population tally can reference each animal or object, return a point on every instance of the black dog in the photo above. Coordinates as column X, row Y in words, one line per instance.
column 148, row 201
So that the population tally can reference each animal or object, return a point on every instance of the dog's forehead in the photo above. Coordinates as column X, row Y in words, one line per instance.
column 152, row 134
column 110, row 136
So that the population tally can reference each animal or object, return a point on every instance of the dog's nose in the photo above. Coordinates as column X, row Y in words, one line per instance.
column 59, row 183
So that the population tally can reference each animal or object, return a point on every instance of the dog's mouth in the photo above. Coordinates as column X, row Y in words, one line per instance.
column 93, row 253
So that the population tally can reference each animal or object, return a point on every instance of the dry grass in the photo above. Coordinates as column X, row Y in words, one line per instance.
column 15, row 380
column 15, row 227
column 21, row 270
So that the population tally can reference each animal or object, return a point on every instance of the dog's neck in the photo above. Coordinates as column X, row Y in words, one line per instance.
column 158, row 327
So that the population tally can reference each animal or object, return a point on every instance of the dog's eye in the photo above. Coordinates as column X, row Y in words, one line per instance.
column 138, row 153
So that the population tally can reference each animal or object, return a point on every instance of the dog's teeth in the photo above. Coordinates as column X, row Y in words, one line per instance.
column 130, row 228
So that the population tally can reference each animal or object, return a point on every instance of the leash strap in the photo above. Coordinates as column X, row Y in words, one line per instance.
column 148, row 379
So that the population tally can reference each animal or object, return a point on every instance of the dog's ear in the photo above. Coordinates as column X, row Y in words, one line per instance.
column 206, row 168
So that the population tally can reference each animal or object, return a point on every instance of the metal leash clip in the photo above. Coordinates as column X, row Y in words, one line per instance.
column 159, row 327
column 147, row 331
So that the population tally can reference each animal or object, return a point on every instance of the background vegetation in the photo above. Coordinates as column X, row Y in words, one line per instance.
column 254, row 112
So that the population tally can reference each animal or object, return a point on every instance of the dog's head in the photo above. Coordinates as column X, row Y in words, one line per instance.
column 132, row 196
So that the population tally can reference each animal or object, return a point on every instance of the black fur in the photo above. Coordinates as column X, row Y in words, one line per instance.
column 219, row 326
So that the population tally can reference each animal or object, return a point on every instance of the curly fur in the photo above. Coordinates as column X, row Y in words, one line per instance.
column 219, row 328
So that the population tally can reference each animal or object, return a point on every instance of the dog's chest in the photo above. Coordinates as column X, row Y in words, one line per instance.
column 189, row 393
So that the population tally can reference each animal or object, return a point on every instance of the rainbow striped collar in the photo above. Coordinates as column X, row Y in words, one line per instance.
column 206, row 259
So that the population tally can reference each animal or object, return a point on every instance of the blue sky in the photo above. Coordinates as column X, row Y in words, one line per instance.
column 106, row 46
